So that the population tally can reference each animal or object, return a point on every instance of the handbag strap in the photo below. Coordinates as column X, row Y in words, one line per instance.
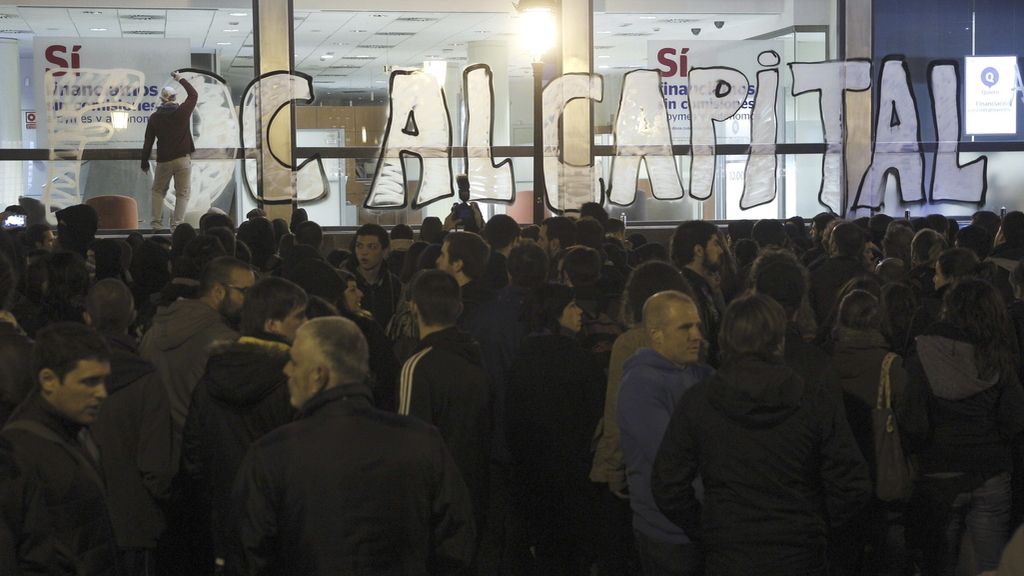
column 884, row 391
column 89, row 467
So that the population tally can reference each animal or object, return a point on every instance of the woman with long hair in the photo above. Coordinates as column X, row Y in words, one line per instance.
column 968, row 407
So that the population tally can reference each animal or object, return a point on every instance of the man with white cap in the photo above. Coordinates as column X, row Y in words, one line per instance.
column 171, row 125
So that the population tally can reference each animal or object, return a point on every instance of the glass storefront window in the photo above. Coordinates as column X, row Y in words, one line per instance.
column 349, row 58
column 982, row 41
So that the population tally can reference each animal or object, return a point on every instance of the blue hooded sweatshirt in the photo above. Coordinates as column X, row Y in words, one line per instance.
column 652, row 386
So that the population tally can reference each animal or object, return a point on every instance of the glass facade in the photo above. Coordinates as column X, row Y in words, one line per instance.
column 74, row 116
column 983, row 39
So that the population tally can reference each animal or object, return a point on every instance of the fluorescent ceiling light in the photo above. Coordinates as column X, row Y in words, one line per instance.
column 239, row 14
column 97, row 29
column 231, row 30
column 223, row 43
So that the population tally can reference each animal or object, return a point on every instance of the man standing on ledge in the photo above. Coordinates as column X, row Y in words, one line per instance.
column 171, row 124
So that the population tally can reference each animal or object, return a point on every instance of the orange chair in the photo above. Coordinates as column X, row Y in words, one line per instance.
column 116, row 212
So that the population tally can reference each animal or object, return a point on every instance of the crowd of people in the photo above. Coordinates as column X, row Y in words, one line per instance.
column 777, row 398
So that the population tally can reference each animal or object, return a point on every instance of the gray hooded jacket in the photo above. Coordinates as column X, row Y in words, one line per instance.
column 178, row 344
column 971, row 418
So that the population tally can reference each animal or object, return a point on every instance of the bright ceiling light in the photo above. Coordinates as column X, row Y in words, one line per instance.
column 229, row 30
column 239, row 14
column 97, row 29
column 223, row 43
column 537, row 30
column 438, row 69
column 119, row 119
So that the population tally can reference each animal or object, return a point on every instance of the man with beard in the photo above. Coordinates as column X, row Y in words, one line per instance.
column 697, row 252
column 179, row 341
column 242, row 396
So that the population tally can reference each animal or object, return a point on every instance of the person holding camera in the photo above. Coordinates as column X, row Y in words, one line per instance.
column 465, row 215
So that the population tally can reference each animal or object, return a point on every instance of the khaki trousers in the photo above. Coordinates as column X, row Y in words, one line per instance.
column 181, row 170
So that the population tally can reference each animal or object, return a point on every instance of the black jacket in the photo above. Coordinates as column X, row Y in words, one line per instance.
column 476, row 295
column 711, row 307
column 16, row 379
column 857, row 358
column 779, row 468
column 922, row 280
column 826, row 281
column 26, row 546
column 133, row 432
column 496, row 274
column 242, row 396
column 72, row 489
column 444, row 384
column 384, row 367
column 171, row 126
column 810, row 362
column 554, row 400
column 965, row 420
column 348, row 489
column 499, row 328
column 1015, row 312
column 381, row 298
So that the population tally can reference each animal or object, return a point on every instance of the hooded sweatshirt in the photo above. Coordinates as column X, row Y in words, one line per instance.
column 242, row 396
column 971, row 417
column 778, row 464
column 178, row 345
column 444, row 383
column 652, row 387
column 76, row 228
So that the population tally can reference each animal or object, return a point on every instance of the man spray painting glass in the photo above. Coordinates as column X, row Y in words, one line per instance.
column 171, row 127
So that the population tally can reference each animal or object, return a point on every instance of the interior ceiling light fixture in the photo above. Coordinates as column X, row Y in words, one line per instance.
column 238, row 14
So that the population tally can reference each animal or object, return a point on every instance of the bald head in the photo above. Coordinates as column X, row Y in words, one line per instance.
column 327, row 352
column 672, row 323
column 110, row 306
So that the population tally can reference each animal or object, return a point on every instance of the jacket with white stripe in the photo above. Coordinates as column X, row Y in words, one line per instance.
column 444, row 383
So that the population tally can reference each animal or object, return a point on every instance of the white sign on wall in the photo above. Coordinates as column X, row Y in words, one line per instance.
column 150, row 60
column 674, row 59
column 990, row 94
